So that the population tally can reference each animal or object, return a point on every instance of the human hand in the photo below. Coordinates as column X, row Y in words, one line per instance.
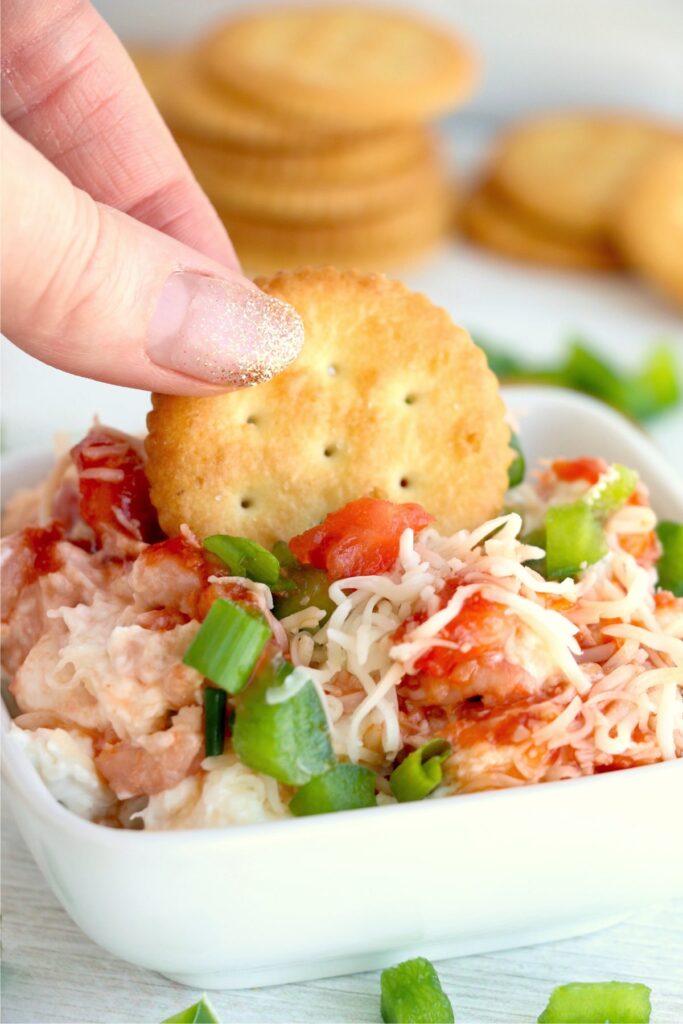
column 115, row 265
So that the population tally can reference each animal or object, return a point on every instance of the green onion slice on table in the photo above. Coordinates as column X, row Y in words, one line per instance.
column 670, row 564
column 412, row 994
column 420, row 773
column 606, row 1002
column 215, row 703
column 199, row 1013
column 280, row 726
column 345, row 787
column 228, row 645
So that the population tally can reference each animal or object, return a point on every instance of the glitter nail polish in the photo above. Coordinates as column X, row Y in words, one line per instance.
column 222, row 330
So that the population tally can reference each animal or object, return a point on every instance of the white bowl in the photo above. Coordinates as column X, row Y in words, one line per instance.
column 313, row 897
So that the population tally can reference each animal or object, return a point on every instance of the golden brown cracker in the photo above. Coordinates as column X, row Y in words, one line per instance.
column 342, row 67
column 388, row 397
column 488, row 218
column 568, row 169
column 274, row 197
column 648, row 225
column 394, row 238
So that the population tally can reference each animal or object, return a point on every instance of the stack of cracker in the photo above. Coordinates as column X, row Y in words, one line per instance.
column 558, row 191
column 307, row 129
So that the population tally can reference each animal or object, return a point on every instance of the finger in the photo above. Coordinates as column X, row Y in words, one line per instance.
column 94, row 292
column 71, row 90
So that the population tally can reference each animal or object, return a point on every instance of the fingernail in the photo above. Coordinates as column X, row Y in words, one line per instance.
column 222, row 330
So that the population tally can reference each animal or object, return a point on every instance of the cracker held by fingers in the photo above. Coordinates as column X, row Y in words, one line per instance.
column 388, row 398
column 342, row 68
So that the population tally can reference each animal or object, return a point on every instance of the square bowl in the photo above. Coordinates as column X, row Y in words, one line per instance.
column 313, row 897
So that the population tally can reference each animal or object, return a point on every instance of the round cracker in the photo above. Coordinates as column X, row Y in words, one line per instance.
column 388, row 397
column 394, row 238
column 343, row 67
column 495, row 223
column 290, row 201
column 648, row 225
column 569, row 169
column 193, row 105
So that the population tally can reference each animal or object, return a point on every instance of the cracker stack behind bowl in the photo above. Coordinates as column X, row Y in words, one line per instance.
column 307, row 127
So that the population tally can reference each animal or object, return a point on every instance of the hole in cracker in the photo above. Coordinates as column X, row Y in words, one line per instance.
column 246, row 503
column 252, row 420
column 332, row 370
column 405, row 482
column 410, row 399
column 329, row 451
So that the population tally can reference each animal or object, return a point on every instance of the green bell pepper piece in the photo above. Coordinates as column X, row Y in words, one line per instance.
column 517, row 467
column 612, row 491
column 288, row 738
column 412, row 994
column 345, row 787
column 574, row 539
column 199, row 1013
column 605, row 1002
column 670, row 564
column 310, row 590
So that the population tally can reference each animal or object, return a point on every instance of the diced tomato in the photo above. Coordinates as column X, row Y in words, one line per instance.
column 113, row 487
column 570, row 470
column 360, row 539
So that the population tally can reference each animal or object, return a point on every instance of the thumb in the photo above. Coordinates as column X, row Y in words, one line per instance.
column 94, row 292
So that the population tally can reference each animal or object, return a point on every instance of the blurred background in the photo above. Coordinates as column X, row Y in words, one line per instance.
column 612, row 54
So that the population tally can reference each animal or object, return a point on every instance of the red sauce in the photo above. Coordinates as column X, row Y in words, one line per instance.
column 33, row 553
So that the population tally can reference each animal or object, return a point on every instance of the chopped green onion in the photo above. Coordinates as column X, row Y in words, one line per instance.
column 288, row 738
column 285, row 555
column 412, row 994
column 574, row 539
column 420, row 773
column 245, row 558
column 199, row 1013
column 311, row 590
column 606, row 1002
column 215, row 702
column 517, row 467
column 228, row 645
column 670, row 564
column 344, row 787
column 611, row 490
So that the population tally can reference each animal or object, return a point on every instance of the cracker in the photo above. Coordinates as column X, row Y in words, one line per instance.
column 388, row 397
column 352, row 160
column 648, row 225
column 193, row 105
column 491, row 220
column 569, row 169
column 394, row 238
column 270, row 196
column 342, row 67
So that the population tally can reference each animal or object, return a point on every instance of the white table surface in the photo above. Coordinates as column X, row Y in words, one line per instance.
column 53, row 973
